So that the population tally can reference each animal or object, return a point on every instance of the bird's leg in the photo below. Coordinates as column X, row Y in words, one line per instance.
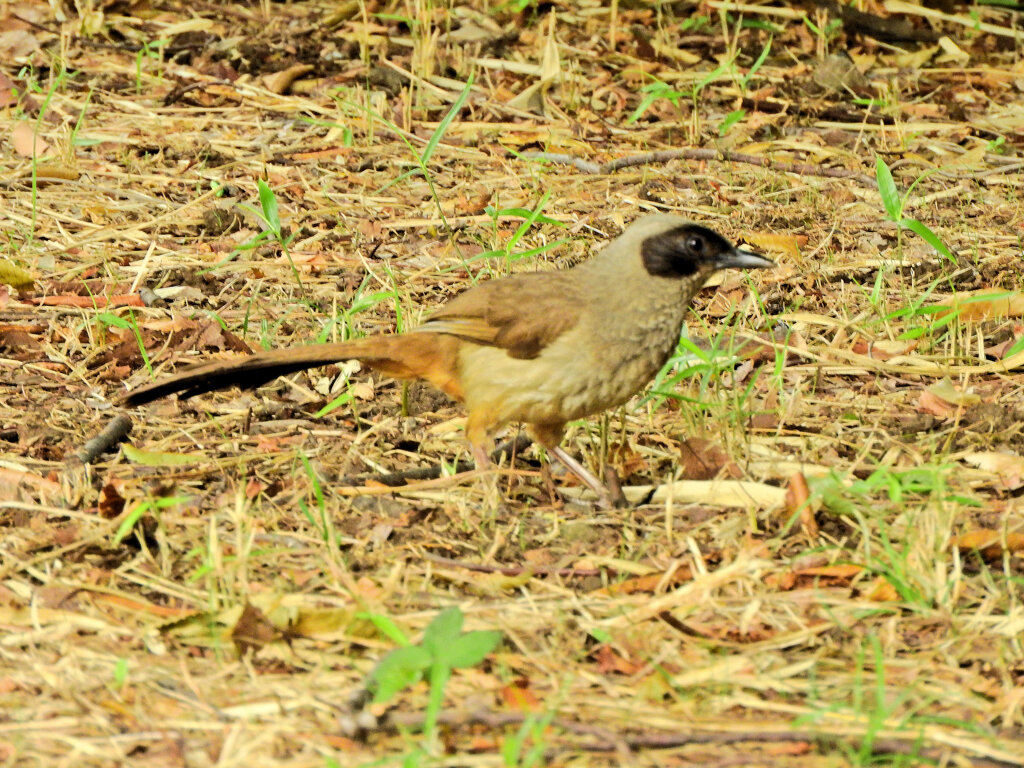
column 489, row 482
column 604, row 496
column 550, row 435
column 480, row 439
column 481, row 457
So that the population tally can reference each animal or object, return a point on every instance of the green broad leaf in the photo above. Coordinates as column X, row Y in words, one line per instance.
column 758, row 24
column 469, row 649
column 1018, row 346
column 537, row 251
column 386, row 627
column 444, row 629
column 343, row 399
column 601, row 635
column 730, row 120
column 929, row 237
column 486, row 255
column 131, row 519
column 121, row 672
column 149, row 505
column 399, row 179
column 652, row 92
column 528, row 221
column 268, row 202
column 112, row 320
column 398, row 670
column 493, row 212
column 887, row 189
column 642, row 107
column 711, row 76
column 694, row 23
column 158, row 459
column 701, row 354
column 523, row 213
column 913, row 333
column 832, row 493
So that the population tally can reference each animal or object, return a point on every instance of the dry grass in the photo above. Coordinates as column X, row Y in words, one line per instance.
column 716, row 623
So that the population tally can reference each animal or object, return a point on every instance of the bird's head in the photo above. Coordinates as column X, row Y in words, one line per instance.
column 681, row 249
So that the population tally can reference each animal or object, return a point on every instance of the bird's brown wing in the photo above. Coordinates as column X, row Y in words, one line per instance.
column 521, row 315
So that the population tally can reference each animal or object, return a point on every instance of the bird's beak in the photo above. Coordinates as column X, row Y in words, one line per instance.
column 737, row 258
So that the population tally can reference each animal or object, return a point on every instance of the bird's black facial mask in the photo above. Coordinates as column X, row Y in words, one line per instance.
column 682, row 251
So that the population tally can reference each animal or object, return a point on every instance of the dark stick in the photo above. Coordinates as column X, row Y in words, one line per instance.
column 110, row 436
column 396, row 479
column 664, row 156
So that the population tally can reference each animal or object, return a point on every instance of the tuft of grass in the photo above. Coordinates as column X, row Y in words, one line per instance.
column 320, row 520
column 443, row 648
column 506, row 252
column 896, row 204
column 422, row 158
column 152, row 50
column 110, row 320
column 269, row 214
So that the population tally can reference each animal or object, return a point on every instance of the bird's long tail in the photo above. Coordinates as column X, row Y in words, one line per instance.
column 429, row 356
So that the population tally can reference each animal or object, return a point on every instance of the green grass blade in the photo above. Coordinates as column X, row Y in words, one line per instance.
column 442, row 127
column 887, row 189
column 929, row 237
column 268, row 202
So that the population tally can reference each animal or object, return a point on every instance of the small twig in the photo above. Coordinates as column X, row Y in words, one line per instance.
column 111, row 435
column 557, row 157
column 513, row 570
column 180, row 90
column 606, row 740
column 397, row 479
column 664, row 156
column 837, row 112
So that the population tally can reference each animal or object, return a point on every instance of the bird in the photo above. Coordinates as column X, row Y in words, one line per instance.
column 541, row 348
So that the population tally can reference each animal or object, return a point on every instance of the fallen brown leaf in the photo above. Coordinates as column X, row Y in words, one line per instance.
column 991, row 544
column 1008, row 466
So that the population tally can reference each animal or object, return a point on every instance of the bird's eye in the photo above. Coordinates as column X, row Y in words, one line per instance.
column 695, row 245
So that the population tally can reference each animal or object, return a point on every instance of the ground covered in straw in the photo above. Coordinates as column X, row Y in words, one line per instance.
column 822, row 561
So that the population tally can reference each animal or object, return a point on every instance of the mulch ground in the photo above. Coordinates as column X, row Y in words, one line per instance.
column 822, row 561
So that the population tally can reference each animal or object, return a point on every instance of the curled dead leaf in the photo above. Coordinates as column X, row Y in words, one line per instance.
column 798, row 500
column 88, row 302
column 884, row 349
column 777, row 243
column 882, row 591
column 51, row 171
column 991, row 544
column 253, row 630
column 933, row 404
column 945, row 389
column 279, row 82
column 649, row 583
column 23, row 485
column 975, row 306
column 1008, row 466
column 702, row 459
